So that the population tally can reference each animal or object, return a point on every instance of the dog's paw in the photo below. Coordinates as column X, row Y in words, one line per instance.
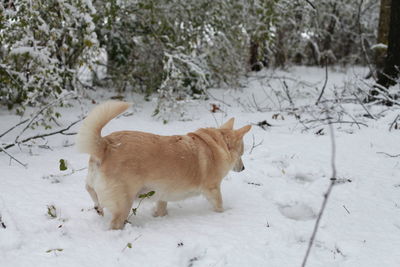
column 219, row 209
column 158, row 213
column 99, row 210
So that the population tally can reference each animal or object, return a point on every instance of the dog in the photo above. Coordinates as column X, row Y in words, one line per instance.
column 126, row 164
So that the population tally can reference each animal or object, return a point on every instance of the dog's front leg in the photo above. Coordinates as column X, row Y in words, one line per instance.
column 214, row 196
column 161, row 209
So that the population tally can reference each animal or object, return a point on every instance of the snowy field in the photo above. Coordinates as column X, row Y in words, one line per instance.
column 270, row 208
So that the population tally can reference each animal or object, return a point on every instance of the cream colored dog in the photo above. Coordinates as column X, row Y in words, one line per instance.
column 128, row 163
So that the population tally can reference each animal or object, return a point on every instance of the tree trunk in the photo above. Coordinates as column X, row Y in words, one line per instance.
column 383, row 33
column 390, row 72
column 255, row 64
column 384, row 19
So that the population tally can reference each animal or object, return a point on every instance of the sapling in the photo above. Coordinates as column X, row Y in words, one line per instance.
column 142, row 197
column 63, row 165
column 51, row 211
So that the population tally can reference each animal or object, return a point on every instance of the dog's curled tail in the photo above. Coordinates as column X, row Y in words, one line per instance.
column 89, row 138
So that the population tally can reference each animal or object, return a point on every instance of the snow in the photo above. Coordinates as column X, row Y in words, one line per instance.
column 270, row 208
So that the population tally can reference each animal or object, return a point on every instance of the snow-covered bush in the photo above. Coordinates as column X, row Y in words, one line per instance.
column 179, row 48
column 340, row 32
column 42, row 45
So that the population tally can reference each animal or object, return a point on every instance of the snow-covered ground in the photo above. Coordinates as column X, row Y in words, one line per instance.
column 270, row 208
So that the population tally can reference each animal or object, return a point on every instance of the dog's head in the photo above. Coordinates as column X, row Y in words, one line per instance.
column 234, row 141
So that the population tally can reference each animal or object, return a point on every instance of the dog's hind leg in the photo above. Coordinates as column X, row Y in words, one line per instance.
column 118, row 200
column 95, row 199
column 161, row 209
column 120, row 209
column 120, row 214
column 214, row 196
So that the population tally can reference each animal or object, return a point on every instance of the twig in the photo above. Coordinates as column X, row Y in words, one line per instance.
column 348, row 114
column 382, row 93
column 12, row 128
column 346, row 209
column 325, row 83
column 311, row 4
column 256, row 105
column 286, row 90
column 254, row 145
column 129, row 245
column 12, row 157
column 62, row 131
column 389, row 155
column 335, row 122
column 38, row 113
column 326, row 196
column 394, row 122
column 2, row 224
column 64, row 174
column 363, row 106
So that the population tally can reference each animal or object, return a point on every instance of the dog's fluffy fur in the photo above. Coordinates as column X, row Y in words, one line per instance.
column 128, row 163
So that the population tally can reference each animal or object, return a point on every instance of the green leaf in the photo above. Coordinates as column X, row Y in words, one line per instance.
column 63, row 165
column 134, row 211
column 51, row 211
column 148, row 194
column 129, row 245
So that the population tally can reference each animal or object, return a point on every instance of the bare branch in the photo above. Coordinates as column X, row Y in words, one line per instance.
column 389, row 155
column 12, row 157
column 311, row 4
column 61, row 131
column 56, row 177
column 394, row 123
column 254, row 145
column 38, row 113
column 363, row 106
column 286, row 90
column 326, row 81
column 2, row 224
column 326, row 196
column 346, row 209
column 12, row 128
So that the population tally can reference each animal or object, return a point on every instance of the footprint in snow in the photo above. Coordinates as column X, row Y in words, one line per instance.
column 303, row 178
column 297, row 211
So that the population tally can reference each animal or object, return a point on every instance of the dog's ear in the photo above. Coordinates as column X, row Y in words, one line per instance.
column 228, row 125
column 242, row 131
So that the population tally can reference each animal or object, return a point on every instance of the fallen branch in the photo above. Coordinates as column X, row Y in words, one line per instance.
column 263, row 124
column 394, row 123
column 346, row 209
column 363, row 106
column 12, row 128
column 326, row 196
column 335, row 122
column 61, row 131
column 56, row 176
column 2, row 224
column 389, row 155
column 25, row 165
column 38, row 113
column 286, row 90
